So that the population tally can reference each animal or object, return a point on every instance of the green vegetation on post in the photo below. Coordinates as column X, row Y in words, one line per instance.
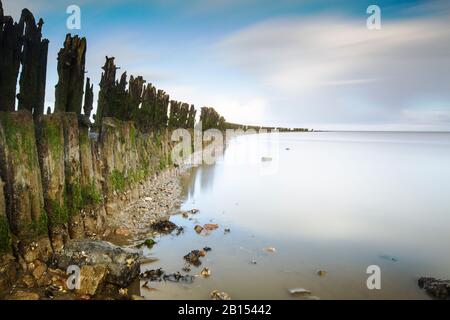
column 117, row 181
column 60, row 214
column 52, row 133
column 20, row 139
column 39, row 227
column 90, row 195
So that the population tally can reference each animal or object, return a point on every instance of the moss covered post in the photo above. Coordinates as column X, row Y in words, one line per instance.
column 72, row 165
column 5, row 234
column 51, row 157
column 24, row 195
column 91, row 191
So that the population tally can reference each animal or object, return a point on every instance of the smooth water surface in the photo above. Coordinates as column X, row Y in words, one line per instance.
column 335, row 201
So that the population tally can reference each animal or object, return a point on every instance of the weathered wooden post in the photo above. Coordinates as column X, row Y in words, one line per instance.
column 10, row 52
column 71, row 69
column 88, row 98
column 23, row 193
column 34, row 65
column 50, row 136
column 107, row 84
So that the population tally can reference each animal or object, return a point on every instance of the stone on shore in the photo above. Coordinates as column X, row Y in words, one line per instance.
column 92, row 278
column 23, row 295
column 439, row 289
column 8, row 271
column 39, row 270
column 123, row 264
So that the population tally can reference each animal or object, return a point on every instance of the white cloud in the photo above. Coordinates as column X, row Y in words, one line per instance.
column 14, row 8
column 322, row 70
column 246, row 109
column 333, row 65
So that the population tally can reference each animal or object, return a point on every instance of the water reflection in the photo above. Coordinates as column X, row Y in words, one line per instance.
column 337, row 201
column 201, row 178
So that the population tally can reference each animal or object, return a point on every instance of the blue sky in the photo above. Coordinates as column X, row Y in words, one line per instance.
column 309, row 63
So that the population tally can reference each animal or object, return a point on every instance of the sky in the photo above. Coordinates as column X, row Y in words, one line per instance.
column 286, row 63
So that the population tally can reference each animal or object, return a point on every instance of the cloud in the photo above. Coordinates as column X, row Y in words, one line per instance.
column 40, row 7
column 239, row 108
column 332, row 67
column 427, row 116
column 14, row 8
column 300, row 69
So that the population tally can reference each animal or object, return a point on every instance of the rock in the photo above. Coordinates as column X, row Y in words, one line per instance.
column 186, row 269
column 180, row 230
column 164, row 226
column 123, row 291
column 58, row 287
column 53, row 277
column 39, row 270
column 8, row 271
column 23, row 295
column 28, row 281
column 130, row 263
column 207, row 249
column 91, row 279
column 123, row 264
column 439, row 289
column 299, row 291
column 210, row 226
column 198, row 229
column 37, row 250
column 193, row 257
column 152, row 275
column 217, row 295
column 205, row 273
column 227, row 230
column 122, row 232
column 321, row 273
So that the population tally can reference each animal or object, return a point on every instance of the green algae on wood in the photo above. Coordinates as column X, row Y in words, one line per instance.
column 24, row 201
column 117, row 181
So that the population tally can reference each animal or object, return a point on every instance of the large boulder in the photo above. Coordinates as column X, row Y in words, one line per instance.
column 122, row 263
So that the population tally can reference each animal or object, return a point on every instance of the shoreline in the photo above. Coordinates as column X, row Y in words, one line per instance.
column 159, row 198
